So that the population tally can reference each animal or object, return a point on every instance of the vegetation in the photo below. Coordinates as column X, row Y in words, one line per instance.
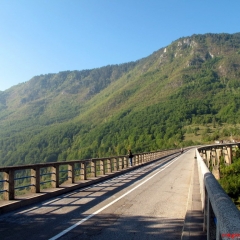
column 184, row 94
column 230, row 178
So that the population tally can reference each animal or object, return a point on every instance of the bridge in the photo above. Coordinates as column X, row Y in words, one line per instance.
column 164, row 195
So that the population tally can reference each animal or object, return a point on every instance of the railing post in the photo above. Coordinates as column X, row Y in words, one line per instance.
column 35, row 180
column 124, row 162
column 118, row 163
column 84, row 170
column 94, row 166
column 137, row 159
column 92, row 169
column 71, row 173
column 114, row 164
column 55, row 176
column 103, row 167
column 8, row 185
column 108, row 166
column 111, row 164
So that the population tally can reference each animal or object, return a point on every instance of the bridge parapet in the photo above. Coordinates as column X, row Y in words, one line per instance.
column 70, row 172
column 221, row 216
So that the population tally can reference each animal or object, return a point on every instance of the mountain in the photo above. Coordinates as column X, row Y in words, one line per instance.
column 144, row 105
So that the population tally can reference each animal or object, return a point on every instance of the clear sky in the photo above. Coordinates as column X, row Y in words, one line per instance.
column 48, row 36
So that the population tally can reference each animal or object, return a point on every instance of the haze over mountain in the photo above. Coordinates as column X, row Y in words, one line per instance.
column 143, row 105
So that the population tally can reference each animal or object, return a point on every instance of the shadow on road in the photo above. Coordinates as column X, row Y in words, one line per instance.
column 42, row 221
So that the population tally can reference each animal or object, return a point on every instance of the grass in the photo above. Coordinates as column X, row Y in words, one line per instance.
column 206, row 133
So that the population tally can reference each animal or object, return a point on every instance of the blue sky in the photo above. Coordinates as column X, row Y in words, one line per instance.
column 48, row 36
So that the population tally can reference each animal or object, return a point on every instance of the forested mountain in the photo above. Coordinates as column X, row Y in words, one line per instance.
column 144, row 105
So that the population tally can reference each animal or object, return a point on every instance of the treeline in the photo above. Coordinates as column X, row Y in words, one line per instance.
column 145, row 105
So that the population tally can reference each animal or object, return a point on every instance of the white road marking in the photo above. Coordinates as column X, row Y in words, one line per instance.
column 111, row 203
column 188, row 199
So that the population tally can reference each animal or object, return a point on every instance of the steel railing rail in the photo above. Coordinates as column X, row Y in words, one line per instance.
column 221, row 216
column 85, row 169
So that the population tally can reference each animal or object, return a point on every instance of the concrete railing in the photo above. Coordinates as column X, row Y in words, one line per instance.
column 34, row 177
column 221, row 216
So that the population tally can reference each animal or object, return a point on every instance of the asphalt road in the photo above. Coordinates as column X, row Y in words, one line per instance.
column 147, row 203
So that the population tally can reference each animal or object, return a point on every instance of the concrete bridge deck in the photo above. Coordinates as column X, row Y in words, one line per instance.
column 160, row 200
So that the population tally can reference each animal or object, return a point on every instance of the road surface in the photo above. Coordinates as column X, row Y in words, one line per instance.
column 147, row 203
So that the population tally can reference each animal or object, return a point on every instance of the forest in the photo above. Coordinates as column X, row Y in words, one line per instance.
column 187, row 93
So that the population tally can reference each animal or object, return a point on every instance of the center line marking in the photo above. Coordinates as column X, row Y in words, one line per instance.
column 109, row 204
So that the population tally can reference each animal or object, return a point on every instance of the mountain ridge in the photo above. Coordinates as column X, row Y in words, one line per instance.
column 143, row 105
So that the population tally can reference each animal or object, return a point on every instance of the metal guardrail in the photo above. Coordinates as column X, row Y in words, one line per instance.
column 221, row 216
column 75, row 171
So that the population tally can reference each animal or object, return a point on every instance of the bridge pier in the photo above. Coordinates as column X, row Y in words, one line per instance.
column 227, row 153
column 215, row 162
column 212, row 157
column 206, row 156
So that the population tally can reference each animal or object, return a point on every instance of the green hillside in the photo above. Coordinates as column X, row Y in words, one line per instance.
column 184, row 94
